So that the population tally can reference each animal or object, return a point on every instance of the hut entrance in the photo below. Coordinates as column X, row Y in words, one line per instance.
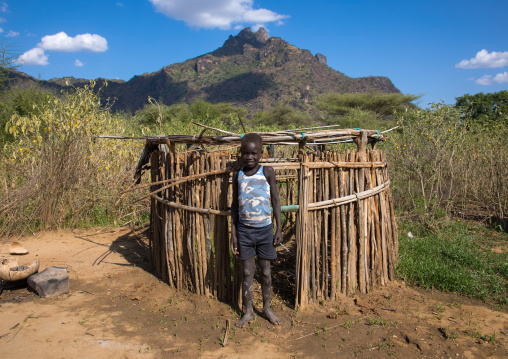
column 338, row 219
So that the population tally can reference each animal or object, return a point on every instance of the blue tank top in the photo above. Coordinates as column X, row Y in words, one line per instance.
column 254, row 199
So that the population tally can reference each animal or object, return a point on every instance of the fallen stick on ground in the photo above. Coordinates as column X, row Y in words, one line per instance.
column 308, row 335
column 327, row 329
column 225, row 341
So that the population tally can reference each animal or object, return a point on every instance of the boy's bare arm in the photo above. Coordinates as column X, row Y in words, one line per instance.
column 274, row 194
column 234, row 215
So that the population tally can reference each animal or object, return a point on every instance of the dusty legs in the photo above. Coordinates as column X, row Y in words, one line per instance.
column 266, row 288
column 249, row 268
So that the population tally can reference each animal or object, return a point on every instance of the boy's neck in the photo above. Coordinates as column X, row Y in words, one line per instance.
column 251, row 171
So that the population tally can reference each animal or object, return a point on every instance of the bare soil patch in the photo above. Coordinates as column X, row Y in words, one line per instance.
column 117, row 308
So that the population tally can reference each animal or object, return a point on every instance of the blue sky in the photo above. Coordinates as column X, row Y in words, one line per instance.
column 440, row 49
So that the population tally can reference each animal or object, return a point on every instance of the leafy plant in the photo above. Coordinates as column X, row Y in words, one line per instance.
column 58, row 173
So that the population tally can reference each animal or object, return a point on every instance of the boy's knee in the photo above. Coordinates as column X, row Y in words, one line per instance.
column 266, row 272
column 248, row 272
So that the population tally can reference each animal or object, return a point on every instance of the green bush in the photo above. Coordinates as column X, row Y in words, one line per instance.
column 282, row 117
column 441, row 160
column 20, row 101
column 55, row 173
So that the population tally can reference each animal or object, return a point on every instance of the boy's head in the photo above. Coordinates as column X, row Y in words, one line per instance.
column 251, row 149
column 252, row 138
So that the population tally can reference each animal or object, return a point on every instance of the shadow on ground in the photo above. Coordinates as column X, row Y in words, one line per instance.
column 133, row 246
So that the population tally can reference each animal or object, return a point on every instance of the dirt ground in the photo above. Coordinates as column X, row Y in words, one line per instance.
column 117, row 309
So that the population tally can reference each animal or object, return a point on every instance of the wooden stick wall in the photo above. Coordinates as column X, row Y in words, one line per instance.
column 346, row 248
column 189, row 249
column 342, row 247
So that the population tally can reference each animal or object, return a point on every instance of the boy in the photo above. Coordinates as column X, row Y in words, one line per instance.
column 254, row 187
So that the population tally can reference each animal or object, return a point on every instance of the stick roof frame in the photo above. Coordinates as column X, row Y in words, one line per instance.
column 310, row 136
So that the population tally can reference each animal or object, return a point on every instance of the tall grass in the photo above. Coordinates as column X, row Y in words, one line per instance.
column 55, row 174
column 444, row 163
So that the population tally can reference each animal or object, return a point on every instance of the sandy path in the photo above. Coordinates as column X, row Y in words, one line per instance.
column 117, row 309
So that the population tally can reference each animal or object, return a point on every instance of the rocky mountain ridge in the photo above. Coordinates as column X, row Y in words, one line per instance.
column 251, row 70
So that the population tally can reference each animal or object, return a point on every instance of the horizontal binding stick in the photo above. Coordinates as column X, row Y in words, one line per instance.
column 348, row 199
column 177, row 180
column 191, row 208
column 333, row 164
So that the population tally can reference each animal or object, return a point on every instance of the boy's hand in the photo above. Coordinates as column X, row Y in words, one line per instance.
column 234, row 245
column 277, row 239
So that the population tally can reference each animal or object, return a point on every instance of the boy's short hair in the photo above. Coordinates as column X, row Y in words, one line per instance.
column 252, row 138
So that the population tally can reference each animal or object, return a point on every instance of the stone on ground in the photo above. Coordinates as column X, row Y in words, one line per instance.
column 51, row 282
column 17, row 248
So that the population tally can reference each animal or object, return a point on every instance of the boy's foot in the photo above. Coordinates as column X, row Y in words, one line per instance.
column 246, row 319
column 275, row 320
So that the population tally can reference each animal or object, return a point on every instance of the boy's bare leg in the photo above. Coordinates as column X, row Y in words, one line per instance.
column 249, row 268
column 266, row 288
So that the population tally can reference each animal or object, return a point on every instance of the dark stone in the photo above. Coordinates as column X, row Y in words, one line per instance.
column 51, row 282
column 321, row 58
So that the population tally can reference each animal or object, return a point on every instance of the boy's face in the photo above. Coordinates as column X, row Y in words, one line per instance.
column 251, row 154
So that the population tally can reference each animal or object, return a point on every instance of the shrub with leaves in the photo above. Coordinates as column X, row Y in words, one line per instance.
column 443, row 162
column 55, row 172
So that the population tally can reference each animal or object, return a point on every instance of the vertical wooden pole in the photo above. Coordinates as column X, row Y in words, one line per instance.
column 383, row 226
column 338, row 228
column 362, row 219
column 331, row 227
column 163, row 249
column 154, row 221
column 302, row 245
column 169, row 219
column 198, row 201
column 352, row 260
column 206, row 227
column 344, row 229
column 391, row 226
column 313, row 235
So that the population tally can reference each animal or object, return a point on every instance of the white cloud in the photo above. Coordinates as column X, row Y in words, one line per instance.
column 120, row 4
column 12, row 34
column 500, row 78
column 1, row 30
column 484, row 59
column 34, row 56
column 3, row 6
column 222, row 14
column 83, row 42
column 2, row 20
column 62, row 42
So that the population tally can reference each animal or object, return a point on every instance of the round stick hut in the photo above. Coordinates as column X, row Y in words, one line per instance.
column 338, row 204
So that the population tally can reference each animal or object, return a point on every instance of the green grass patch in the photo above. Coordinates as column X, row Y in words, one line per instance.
column 455, row 257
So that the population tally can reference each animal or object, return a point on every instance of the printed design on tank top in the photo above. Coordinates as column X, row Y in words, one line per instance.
column 254, row 199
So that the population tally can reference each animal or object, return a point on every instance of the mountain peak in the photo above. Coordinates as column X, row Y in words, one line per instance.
column 234, row 44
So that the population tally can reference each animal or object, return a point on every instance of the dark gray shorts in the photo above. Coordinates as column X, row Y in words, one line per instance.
column 255, row 241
